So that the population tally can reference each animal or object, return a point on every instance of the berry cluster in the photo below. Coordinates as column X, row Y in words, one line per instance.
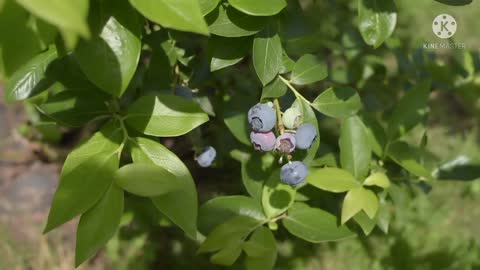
column 293, row 135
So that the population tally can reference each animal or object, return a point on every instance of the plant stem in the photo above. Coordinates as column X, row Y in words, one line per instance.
column 125, row 134
column 295, row 92
column 281, row 127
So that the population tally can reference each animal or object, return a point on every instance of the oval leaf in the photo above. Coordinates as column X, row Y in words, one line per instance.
column 29, row 80
column 274, row 89
column 314, row 225
column 377, row 20
column 146, row 180
column 332, row 179
column 261, row 250
column 179, row 206
column 308, row 69
column 87, row 173
column 228, row 22
column 110, row 59
column 225, row 52
column 338, row 102
column 267, row 54
column 99, row 224
column 355, row 151
column 165, row 115
column 259, row 8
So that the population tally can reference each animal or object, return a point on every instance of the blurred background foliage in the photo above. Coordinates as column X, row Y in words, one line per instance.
column 434, row 226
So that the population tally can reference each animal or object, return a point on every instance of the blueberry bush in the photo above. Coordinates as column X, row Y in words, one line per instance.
column 303, row 107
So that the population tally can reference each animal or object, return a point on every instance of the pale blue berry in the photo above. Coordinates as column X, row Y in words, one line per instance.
column 262, row 118
column 293, row 173
column 206, row 158
column 305, row 136
column 263, row 141
column 285, row 143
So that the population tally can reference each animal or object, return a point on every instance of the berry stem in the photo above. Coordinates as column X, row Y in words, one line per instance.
column 281, row 127
column 295, row 92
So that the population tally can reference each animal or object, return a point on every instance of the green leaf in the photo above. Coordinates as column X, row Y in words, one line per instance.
column 225, row 52
column 274, row 89
column 86, row 175
column 377, row 179
column 359, row 199
column 75, row 107
column 110, row 58
column 409, row 111
column 355, row 152
column 314, row 225
column 308, row 69
column 220, row 209
column 183, row 15
column 255, row 171
column 208, row 6
column 226, row 21
column 29, row 80
column 287, row 64
column 68, row 15
column 227, row 256
column 367, row 224
column 277, row 197
column 267, row 54
column 232, row 232
column 261, row 250
column 377, row 20
column 259, row 8
column 338, row 102
column 406, row 156
column 164, row 115
column 332, row 179
column 238, row 125
column 376, row 135
column 146, row 180
column 182, row 212
column 99, row 224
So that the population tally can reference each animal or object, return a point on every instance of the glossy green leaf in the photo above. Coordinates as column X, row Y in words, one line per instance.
column 274, row 89
column 227, row 256
column 277, row 197
column 110, row 58
column 207, row 6
column 238, row 125
column 183, row 15
column 220, row 209
column 377, row 20
column 314, row 225
column 261, row 250
column 182, row 212
column 255, row 171
column 232, row 232
column 259, row 8
column 226, row 21
column 267, row 54
column 332, row 179
column 68, row 15
column 86, row 175
column 409, row 111
column 359, row 199
column 29, row 80
column 407, row 157
column 378, row 179
column 225, row 52
column 338, row 102
column 75, row 107
column 308, row 69
column 367, row 224
column 146, row 180
column 99, row 224
column 355, row 152
column 164, row 115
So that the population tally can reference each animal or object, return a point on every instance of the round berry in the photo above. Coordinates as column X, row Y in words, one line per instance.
column 285, row 143
column 263, row 141
column 206, row 158
column 305, row 136
column 292, row 118
column 293, row 173
column 262, row 118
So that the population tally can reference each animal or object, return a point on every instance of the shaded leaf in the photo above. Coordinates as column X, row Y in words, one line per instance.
column 259, row 8
column 406, row 156
column 261, row 250
column 338, row 102
column 225, row 52
column 308, row 69
column 274, row 89
column 277, row 197
column 267, row 54
column 226, row 21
